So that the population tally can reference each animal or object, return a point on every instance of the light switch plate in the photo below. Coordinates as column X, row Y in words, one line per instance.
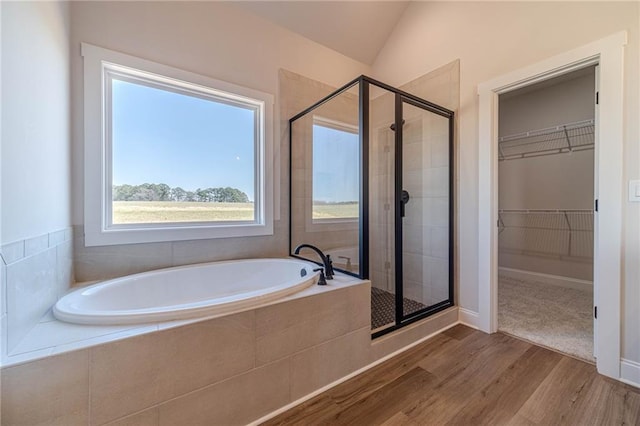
column 634, row 191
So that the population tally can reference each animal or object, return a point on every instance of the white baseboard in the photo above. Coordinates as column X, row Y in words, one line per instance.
column 630, row 372
column 567, row 282
column 468, row 318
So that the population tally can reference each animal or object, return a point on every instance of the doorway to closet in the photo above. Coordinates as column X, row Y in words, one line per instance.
column 545, row 212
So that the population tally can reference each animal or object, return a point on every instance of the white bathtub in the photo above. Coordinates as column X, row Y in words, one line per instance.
column 184, row 292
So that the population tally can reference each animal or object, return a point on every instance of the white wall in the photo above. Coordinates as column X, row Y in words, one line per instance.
column 566, row 99
column 491, row 39
column 213, row 39
column 36, row 154
column 35, row 166
column 556, row 181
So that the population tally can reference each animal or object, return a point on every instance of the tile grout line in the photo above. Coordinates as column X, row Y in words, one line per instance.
column 24, row 240
column 193, row 391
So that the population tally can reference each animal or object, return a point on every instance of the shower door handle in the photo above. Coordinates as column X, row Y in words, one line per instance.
column 404, row 199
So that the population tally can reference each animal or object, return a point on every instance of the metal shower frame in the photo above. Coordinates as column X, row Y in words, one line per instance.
column 401, row 97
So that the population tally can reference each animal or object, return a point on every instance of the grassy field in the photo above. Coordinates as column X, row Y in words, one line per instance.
column 335, row 211
column 171, row 211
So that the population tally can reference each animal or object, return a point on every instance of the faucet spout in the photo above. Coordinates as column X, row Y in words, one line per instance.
column 326, row 259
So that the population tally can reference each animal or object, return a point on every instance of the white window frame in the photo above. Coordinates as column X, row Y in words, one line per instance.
column 99, row 64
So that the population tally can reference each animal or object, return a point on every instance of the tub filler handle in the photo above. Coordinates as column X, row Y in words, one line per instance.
column 322, row 280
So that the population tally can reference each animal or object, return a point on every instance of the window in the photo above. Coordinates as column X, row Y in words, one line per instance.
column 336, row 171
column 171, row 155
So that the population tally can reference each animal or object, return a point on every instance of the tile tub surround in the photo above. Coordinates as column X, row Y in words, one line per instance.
column 202, row 373
column 36, row 272
column 51, row 336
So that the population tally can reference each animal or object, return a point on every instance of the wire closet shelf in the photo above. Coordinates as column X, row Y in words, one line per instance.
column 556, row 233
column 561, row 139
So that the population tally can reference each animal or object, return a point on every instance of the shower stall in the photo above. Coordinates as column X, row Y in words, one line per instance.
column 371, row 185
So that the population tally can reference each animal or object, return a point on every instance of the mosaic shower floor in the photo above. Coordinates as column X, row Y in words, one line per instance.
column 383, row 307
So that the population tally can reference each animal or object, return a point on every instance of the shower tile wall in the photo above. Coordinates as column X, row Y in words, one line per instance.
column 426, row 224
column 381, row 192
column 416, row 235
column 437, row 198
column 426, row 238
column 426, row 177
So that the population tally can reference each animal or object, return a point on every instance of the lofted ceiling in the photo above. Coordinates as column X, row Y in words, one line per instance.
column 357, row 29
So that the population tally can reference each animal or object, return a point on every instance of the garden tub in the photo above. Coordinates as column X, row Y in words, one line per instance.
column 184, row 292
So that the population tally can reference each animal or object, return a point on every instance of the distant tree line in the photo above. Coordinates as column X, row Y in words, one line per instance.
column 333, row 203
column 163, row 192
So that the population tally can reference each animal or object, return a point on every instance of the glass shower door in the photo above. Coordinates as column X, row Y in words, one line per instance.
column 371, row 175
column 424, row 207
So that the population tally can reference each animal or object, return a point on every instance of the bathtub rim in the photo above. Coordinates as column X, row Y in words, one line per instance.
column 195, row 310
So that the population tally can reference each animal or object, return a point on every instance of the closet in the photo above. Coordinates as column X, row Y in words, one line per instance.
column 545, row 218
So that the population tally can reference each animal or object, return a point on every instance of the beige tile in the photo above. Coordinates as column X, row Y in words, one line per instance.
column 200, row 354
column 382, row 280
column 198, row 251
column 31, row 291
column 136, row 373
column 289, row 327
column 68, row 233
column 413, row 290
column 13, row 252
column 440, row 242
column 437, row 211
column 414, row 237
column 148, row 417
column 36, row 245
column 405, row 336
column 3, row 337
column 125, row 376
column 64, row 267
column 103, row 262
column 438, row 270
column 51, row 391
column 235, row 401
column 413, row 182
column 412, row 156
column 413, row 267
column 56, row 237
column 440, row 151
column 320, row 365
column 359, row 298
column 436, row 182
column 3, row 289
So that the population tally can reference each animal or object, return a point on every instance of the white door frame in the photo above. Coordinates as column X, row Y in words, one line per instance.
column 609, row 54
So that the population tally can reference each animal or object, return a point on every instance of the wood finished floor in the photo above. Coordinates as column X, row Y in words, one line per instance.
column 466, row 377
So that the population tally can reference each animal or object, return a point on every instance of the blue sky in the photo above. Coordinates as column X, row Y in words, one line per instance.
column 164, row 137
column 335, row 165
